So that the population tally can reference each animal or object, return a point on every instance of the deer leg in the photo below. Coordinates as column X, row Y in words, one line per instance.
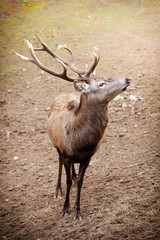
column 82, row 169
column 58, row 193
column 74, row 175
column 67, row 165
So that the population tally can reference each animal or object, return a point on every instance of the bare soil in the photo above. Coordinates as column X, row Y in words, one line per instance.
column 120, row 195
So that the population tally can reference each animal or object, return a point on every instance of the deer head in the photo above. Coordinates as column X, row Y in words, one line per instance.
column 95, row 88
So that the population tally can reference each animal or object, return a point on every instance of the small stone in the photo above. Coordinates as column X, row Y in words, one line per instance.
column 121, row 181
column 40, row 175
column 145, row 132
column 133, row 98
column 10, row 189
column 9, row 90
column 118, row 98
column 43, row 131
column 15, row 158
column 132, row 89
column 121, row 135
column 124, row 105
column 47, row 108
column 124, row 130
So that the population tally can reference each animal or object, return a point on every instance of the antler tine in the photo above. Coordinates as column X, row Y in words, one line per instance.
column 72, row 57
column 35, row 60
column 96, row 60
column 26, row 58
column 70, row 63
column 23, row 57
column 45, row 48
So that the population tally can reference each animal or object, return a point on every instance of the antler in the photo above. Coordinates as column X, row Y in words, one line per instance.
column 35, row 60
column 70, row 63
column 96, row 60
column 83, row 74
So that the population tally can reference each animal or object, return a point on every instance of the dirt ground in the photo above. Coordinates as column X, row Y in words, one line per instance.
column 120, row 194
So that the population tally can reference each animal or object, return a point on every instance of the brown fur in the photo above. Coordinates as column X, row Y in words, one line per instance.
column 76, row 127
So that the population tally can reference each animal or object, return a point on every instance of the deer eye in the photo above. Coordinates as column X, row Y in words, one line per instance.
column 101, row 84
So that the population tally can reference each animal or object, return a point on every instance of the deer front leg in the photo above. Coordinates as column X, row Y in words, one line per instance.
column 82, row 169
column 67, row 165
column 58, row 193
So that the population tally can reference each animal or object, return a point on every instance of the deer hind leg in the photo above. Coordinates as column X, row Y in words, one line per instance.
column 82, row 169
column 74, row 175
column 67, row 165
column 58, row 192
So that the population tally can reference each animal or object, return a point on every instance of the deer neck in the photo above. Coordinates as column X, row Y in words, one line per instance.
column 91, row 116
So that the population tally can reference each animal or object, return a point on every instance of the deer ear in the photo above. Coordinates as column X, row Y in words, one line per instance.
column 80, row 86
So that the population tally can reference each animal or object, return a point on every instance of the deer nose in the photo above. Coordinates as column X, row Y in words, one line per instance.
column 128, row 80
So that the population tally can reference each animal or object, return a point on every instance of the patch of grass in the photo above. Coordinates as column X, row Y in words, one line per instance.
column 65, row 22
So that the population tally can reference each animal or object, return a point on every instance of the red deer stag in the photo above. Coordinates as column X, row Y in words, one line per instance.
column 76, row 125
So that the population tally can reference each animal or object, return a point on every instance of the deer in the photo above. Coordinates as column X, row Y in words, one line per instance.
column 76, row 124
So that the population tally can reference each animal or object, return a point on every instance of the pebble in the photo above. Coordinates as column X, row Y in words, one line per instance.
column 157, row 155
column 124, row 105
column 133, row 98
column 140, row 75
column 146, row 132
column 47, row 108
column 40, row 175
column 43, row 131
column 121, row 135
column 139, row 86
column 121, row 181
column 118, row 98
column 15, row 158
column 9, row 90
column 132, row 89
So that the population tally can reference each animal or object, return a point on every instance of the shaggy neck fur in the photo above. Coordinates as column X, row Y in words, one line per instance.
column 90, row 122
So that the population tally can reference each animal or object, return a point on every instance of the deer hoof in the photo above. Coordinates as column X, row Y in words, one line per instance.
column 65, row 212
column 58, row 194
column 77, row 215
